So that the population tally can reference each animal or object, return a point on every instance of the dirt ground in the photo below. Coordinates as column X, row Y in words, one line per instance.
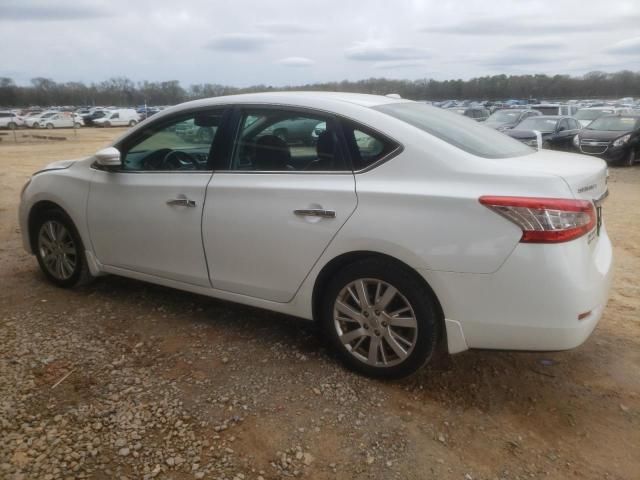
column 122, row 379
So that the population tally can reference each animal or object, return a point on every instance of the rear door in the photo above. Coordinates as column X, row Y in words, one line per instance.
column 278, row 203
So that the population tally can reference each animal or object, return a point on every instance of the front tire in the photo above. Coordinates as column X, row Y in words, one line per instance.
column 380, row 318
column 106, row 124
column 59, row 250
column 12, row 126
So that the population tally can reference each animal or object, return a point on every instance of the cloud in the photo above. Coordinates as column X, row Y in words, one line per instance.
column 630, row 46
column 26, row 10
column 380, row 52
column 542, row 45
column 392, row 64
column 295, row 62
column 239, row 42
column 521, row 26
column 512, row 59
column 287, row 28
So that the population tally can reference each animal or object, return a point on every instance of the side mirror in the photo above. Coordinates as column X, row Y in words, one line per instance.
column 108, row 157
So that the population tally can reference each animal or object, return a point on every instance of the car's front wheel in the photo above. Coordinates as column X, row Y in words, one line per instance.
column 59, row 249
column 630, row 160
column 380, row 318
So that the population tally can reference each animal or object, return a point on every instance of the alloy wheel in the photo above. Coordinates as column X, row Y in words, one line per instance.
column 57, row 249
column 375, row 322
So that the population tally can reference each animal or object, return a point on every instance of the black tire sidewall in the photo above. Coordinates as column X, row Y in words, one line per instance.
column 81, row 263
column 418, row 295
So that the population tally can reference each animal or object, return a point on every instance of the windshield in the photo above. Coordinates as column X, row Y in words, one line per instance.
column 504, row 116
column 456, row 130
column 540, row 124
column 613, row 124
column 591, row 114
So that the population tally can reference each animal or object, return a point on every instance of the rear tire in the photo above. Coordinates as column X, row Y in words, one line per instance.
column 12, row 126
column 36, row 125
column 49, row 126
column 132, row 123
column 59, row 249
column 77, row 125
column 106, row 124
column 395, row 333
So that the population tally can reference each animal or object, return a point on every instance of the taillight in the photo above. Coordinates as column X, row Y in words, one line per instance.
column 545, row 220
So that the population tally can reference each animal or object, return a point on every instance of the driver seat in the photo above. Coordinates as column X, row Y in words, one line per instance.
column 271, row 154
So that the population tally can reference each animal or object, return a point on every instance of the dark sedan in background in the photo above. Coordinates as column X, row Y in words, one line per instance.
column 556, row 132
column 615, row 138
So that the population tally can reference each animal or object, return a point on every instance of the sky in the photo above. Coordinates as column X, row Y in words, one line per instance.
column 293, row 42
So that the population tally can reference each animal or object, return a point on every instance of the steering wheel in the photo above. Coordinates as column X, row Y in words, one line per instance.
column 178, row 160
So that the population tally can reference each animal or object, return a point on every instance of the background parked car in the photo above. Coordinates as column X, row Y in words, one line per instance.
column 10, row 120
column 615, row 138
column 479, row 114
column 587, row 115
column 556, row 132
column 509, row 118
column 117, row 118
column 62, row 120
column 37, row 120
column 556, row 108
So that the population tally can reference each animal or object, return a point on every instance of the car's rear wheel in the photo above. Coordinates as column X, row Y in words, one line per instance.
column 36, row 125
column 132, row 123
column 77, row 125
column 49, row 126
column 12, row 125
column 59, row 249
column 106, row 124
column 380, row 318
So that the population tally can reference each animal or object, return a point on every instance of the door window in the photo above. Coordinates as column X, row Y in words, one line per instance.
column 181, row 144
column 273, row 140
column 366, row 146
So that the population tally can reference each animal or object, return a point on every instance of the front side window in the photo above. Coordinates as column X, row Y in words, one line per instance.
column 182, row 144
column 274, row 140
column 472, row 137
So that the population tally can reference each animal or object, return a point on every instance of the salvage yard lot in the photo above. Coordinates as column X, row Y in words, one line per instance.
column 123, row 379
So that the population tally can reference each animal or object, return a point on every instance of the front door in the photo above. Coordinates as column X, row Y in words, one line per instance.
column 278, row 203
column 146, row 216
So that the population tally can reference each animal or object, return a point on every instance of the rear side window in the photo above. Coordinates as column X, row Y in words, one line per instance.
column 366, row 146
column 472, row 137
column 280, row 140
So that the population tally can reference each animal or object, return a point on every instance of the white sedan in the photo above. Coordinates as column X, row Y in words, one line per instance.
column 434, row 232
column 61, row 120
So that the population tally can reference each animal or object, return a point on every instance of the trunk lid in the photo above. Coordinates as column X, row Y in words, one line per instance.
column 585, row 176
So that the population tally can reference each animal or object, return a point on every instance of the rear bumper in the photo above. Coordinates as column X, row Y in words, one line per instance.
column 533, row 301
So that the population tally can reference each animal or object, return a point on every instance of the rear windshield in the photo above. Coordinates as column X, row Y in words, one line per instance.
column 614, row 124
column 459, row 131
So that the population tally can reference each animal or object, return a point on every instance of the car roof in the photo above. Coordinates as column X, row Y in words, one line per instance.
column 297, row 98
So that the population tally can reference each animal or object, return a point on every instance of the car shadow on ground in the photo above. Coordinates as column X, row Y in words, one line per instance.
column 483, row 379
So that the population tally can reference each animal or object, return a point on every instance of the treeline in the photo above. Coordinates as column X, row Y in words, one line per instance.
column 123, row 91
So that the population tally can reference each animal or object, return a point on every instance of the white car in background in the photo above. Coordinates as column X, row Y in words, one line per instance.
column 36, row 121
column 61, row 120
column 118, row 118
column 10, row 120
column 403, row 228
column 587, row 115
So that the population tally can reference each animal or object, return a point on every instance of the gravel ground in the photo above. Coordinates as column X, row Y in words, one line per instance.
column 123, row 379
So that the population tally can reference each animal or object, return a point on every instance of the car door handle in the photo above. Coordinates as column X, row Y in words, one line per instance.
column 315, row 212
column 183, row 202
